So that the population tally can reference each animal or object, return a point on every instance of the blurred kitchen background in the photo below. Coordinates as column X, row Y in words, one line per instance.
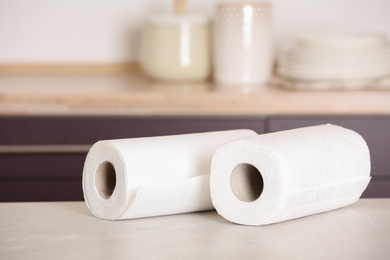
column 69, row 77
column 100, row 31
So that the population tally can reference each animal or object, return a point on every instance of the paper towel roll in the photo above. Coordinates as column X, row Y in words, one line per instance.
column 143, row 177
column 280, row 176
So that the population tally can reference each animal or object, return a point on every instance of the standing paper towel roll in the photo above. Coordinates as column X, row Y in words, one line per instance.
column 144, row 177
column 280, row 176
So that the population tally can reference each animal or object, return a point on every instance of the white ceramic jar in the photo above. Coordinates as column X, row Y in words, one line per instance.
column 242, row 44
column 177, row 48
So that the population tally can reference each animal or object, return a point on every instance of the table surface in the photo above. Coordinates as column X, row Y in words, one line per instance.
column 130, row 93
column 67, row 230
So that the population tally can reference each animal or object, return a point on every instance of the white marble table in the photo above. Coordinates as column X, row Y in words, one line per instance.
column 67, row 230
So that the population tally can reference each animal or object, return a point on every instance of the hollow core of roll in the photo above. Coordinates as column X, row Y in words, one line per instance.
column 246, row 182
column 105, row 179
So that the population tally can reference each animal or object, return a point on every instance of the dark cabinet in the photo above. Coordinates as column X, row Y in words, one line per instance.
column 41, row 176
column 88, row 130
column 30, row 173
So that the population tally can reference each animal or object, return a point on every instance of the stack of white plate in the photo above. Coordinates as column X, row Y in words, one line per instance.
column 333, row 57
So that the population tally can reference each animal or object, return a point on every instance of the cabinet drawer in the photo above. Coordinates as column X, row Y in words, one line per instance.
column 40, row 190
column 42, row 165
column 87, row 130
column 42, row 158
column 379, row 187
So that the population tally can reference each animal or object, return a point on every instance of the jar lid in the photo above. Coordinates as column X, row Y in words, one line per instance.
column 177, row 19
column 263, row 3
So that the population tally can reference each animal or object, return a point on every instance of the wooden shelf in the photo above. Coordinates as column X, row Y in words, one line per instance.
column 123, row 90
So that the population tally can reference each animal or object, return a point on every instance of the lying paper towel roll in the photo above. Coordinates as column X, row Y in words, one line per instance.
column 289, row 174
column 143, row 177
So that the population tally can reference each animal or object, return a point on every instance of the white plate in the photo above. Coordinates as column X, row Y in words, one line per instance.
column 332, row 62
column 324, row 58
column 334, row 70
column 341, row 41
column 332, row 74
column 347, row 54
column 335, row 65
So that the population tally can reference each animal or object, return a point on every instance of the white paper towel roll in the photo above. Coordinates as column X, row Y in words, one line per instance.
column 289, row 174
column 144, row 177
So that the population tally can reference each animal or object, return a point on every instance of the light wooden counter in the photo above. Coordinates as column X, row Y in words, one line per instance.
column 94, row 92
column 68, row 230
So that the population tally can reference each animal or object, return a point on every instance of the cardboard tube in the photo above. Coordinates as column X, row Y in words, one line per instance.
column 105, row 179
column 246, row 182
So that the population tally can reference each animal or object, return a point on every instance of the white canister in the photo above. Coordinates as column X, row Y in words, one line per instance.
column 243, row 52
column 177, row 48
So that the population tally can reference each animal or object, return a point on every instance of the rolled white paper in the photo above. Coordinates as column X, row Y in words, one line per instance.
column 144, row 177
column 285, row 175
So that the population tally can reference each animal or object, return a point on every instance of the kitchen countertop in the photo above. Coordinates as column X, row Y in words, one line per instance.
column 67, row 230
column 125, row 91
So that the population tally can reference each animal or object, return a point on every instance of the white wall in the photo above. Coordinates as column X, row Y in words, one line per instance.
column 107, row 31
